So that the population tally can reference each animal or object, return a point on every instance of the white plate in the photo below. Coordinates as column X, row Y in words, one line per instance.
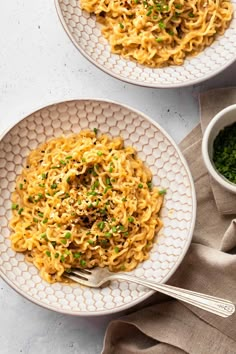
column 85, row 33
column 168, row 167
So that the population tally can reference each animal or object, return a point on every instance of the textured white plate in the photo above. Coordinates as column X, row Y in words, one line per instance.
column 169, row 169
column 85, row 33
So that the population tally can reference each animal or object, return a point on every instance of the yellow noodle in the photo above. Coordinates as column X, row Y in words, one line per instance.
column 84, row 201
column 158, row 33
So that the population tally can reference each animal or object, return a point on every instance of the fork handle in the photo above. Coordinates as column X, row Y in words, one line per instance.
column 216, row 305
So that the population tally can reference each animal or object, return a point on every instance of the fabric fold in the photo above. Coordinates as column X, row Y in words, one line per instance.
column 209, row 267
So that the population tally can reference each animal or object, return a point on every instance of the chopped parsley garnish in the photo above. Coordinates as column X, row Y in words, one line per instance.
column 64, row 241
column 106, row 189
column 20, row 211
column 162, row 25
column 83, row 263
column 116, row 249
column 121, row 25
column 35, row 220
column 162, row 191
column 42, row 185
column 15, row 206
column 53, row 243
column 44, row 175
column 40, row 214
column 95, row 131
column 130, row 219
column 21, row 186
column 68, row 235
column 48, row 253
column 99, row 153
column 159, row 39
column 121, row 228
column 77, row 255
column 124, row 199
column 140, row 185
column 62, row 162
column 114, row 229
column 108, row 181
column 68, row 157
column 90, row 242
column 68, row 180
column 30, row 199
column 83, row 159
column 45, row 221
column 62, row 259
column 101, row 225
column 191, row 14
column 56, row 255
column 79, row 202
column 44, row 235
column 54, row 186
column 108, row 234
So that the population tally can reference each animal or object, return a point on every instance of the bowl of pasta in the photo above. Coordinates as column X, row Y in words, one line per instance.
column 153, row 43
column 76, row 193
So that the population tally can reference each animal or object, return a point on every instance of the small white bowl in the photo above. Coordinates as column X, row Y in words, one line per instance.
column 223, row 119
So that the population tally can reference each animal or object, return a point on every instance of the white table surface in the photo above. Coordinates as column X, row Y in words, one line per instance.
column 39, row 65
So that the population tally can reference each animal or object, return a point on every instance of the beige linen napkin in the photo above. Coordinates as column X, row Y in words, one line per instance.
column 172, row 327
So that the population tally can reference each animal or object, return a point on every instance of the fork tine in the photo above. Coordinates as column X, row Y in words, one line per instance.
column 82, row 272
column 76, row 279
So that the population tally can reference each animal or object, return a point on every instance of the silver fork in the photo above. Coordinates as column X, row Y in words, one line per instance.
column 98, row 276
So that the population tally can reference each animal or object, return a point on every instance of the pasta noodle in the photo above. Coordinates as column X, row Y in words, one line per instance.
column 84, row 201
column 158, row 33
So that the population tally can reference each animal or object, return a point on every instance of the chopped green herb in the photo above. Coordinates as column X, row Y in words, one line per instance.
column 67, row 252
column 83, row 159
column 68, row 235
column 171, row 33
column 103, row 211
column 159, row 39
column 162, row 25
column 21, row 186
column 162, row 191
column 83, row 263
column 68, row 270
column 20, row 211
column 224, row 152
column 108, row 234
column 149, row 184
column 62, row 162
column 30, row 199
column 124, row 199
column 90, row 242
column 53, row 243
column 126, row 233
column 99, row 153
column 28, row 227
column 101, row 225
column 55, row 167
column 178, row 6
column 115, row 158
column 64, row 241
column 121, row 227
column 106, row 189
column 40, row 214
column 140, row 185
column 62, row 259
column 130, row 219
column 122, row 267
column 77, row 255
column 191, row 14
column 15, row 206
column 121, row 25
column 110, row 169
column 79, row 202
column 108, row 181
column 35, row 220
column 48, row 253
column 116, row 249
column 41, row 185
column 44, row 175
column 92, row 193
column 113, row 219
column 45, row 221
column 95, row 185
column 114, row 229
column 95, row 131
column 90, row 205
column 68, row 157
column 40, row 196
column 56, row 255
column 68, row 180
column 149, row 12
column 54, row 186
column 44, row 235
column 88, row 232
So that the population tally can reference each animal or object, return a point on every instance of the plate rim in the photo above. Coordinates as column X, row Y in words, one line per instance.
column 141, row 299
column 130, row 81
